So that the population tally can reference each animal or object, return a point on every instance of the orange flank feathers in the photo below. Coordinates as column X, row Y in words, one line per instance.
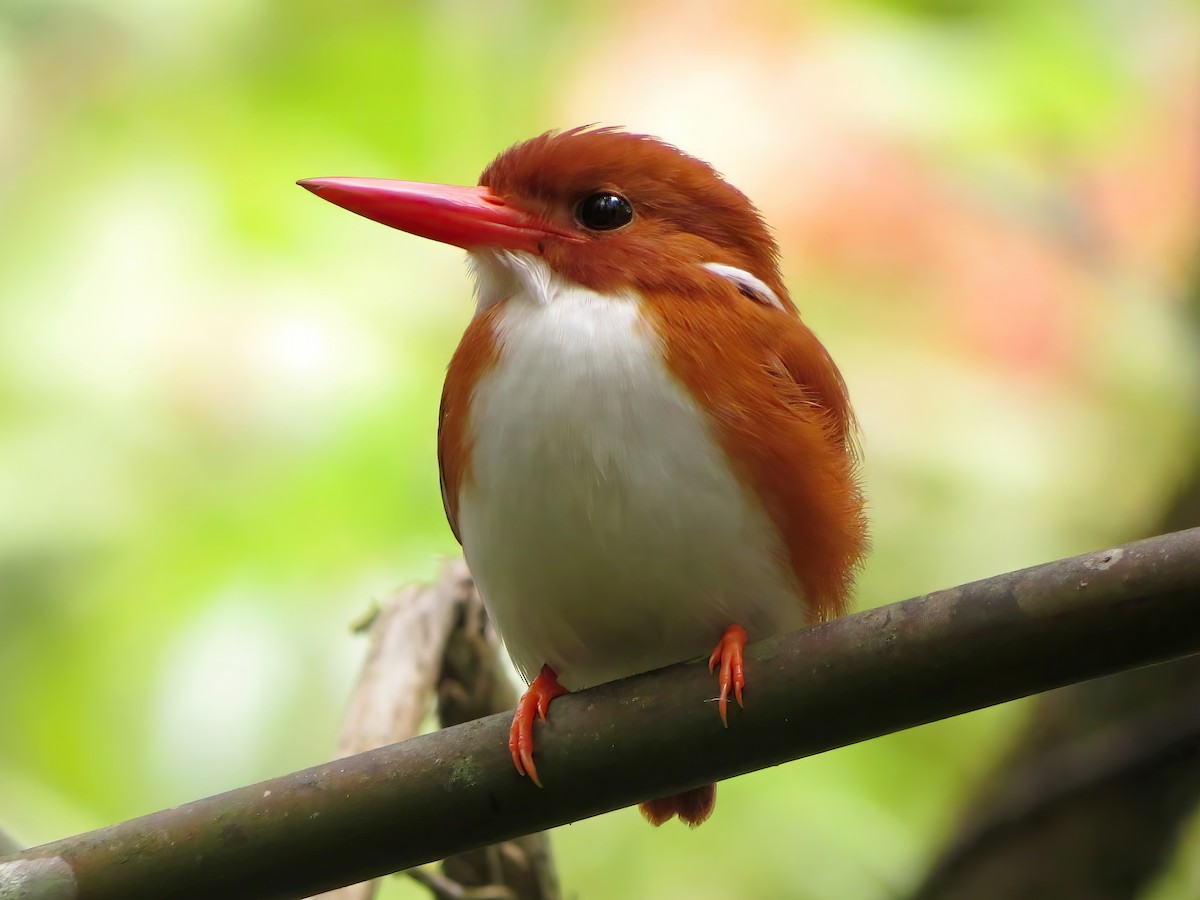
column 476, row 354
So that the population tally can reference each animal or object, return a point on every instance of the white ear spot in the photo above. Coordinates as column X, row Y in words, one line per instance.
column 754, row 288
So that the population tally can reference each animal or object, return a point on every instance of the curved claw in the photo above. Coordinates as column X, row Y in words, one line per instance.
column 728, row 653
column 535, row 702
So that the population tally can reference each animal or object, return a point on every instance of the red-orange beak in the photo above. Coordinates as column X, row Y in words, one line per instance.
column 466, row 217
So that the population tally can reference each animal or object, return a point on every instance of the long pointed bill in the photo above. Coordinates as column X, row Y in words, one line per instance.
column 466, row 217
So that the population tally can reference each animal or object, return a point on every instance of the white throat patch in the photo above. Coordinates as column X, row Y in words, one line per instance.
column 500, row 274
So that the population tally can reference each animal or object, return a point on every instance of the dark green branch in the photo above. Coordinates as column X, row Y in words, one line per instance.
column 853, row 679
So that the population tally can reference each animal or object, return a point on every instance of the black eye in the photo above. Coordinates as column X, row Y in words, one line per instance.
column 604, row 211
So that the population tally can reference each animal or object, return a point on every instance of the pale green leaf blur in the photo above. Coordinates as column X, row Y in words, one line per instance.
column 218, row 395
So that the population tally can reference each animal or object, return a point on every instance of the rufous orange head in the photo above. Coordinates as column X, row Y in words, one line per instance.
column 604, row 208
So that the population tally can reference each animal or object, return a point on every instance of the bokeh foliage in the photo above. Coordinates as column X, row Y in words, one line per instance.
column 217, row 396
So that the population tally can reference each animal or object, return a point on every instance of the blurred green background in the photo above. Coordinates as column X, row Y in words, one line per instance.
column 218, row 395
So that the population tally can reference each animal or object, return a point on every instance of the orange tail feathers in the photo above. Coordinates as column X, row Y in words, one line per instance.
column 692, row 807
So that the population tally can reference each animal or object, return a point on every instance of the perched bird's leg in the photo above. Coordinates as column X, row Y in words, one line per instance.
column 535, row 701
column 729, row 655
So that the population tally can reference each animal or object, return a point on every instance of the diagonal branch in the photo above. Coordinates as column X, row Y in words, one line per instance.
column 845, row 681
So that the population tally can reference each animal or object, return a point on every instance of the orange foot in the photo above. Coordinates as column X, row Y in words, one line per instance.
column 535, row 701
column 733, row 673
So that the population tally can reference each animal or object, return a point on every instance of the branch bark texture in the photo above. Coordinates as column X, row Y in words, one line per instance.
column 1091, row 800
column 427, row 641
column 856, row 678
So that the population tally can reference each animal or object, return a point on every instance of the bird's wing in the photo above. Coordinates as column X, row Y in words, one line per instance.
column 781, row 410
column 808, row 378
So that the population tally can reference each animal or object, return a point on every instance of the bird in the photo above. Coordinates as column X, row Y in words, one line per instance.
column 645, row 453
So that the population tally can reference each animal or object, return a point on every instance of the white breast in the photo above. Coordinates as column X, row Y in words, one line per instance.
column 605, row 527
